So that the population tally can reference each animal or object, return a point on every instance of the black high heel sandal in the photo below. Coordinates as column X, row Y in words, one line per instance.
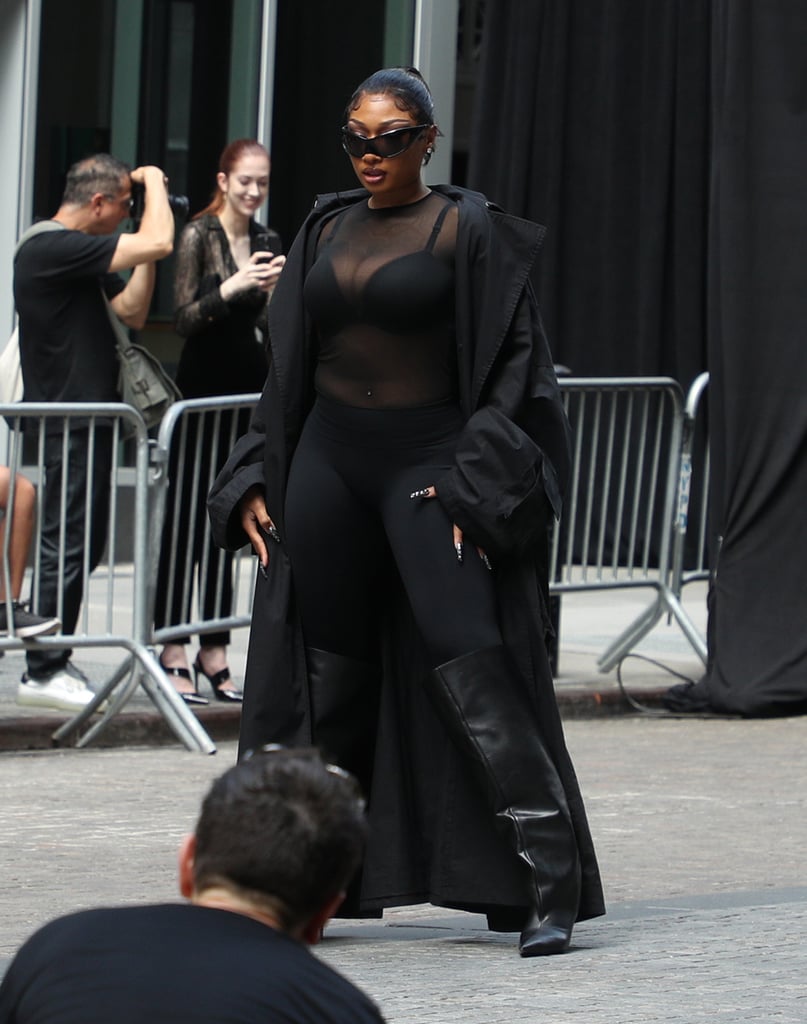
column 182, row 673
column 216, row 681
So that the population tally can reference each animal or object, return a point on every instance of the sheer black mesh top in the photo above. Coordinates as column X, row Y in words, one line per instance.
column 381, row 294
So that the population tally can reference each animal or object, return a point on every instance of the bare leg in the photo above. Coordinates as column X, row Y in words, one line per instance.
column 175, row 656
column 211, row 661
column 21, row 520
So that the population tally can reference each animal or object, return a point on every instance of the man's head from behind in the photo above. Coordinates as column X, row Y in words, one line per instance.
column 282, row 832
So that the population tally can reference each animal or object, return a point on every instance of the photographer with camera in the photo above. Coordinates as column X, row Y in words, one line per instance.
column 226, row 269
column 65, row 281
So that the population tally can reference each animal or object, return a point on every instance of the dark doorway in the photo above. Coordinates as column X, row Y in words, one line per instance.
column 74, row 93
column 324, row 50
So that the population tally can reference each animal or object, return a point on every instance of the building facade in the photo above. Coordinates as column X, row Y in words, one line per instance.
column 170, row 82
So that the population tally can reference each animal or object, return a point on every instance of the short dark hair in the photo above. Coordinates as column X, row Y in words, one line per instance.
column 98, row 173
column 406, row 86
column 284, row 828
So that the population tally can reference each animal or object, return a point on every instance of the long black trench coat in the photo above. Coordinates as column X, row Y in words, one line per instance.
column 432, row 838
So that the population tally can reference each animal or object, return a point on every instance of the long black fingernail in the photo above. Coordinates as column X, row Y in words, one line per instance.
column 272, row 531
column 458, row 549
column 263, row 571
column 423, row 493
column 486, row 562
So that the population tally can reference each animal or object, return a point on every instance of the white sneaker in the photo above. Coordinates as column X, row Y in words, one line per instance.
column 65, row 690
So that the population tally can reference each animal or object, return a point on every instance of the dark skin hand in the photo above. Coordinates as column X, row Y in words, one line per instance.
column 256, row 521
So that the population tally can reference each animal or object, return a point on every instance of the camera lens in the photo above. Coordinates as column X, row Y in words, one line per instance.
column 179, row 204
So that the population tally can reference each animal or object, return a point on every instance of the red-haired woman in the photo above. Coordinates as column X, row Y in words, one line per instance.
column 227, row 266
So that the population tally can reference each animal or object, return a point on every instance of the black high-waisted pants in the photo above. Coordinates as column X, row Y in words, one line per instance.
column 348, row 508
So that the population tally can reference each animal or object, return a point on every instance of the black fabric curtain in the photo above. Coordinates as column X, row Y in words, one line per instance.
column 664, row 144
column 758, row 357
column 591, row 117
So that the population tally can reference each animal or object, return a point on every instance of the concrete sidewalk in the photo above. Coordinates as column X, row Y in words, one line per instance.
column 700, row 827
column 589, row 623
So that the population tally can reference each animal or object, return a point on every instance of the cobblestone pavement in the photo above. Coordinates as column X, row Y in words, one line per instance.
column 700, row 825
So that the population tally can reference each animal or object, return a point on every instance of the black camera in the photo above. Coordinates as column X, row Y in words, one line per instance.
column 180, row 205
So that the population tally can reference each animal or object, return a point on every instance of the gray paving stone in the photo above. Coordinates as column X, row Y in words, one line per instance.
column 701, row 827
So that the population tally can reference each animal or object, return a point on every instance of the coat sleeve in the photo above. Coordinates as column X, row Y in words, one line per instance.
column 512, row 458
column 197, row 299
column 243, row 469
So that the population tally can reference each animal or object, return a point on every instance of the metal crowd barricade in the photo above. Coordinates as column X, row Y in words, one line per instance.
column 617, row 526
column 114, row 606
column 187, row 571
column 627, row 519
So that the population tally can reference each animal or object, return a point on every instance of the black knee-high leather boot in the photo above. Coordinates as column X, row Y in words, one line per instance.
column 483, row 703
column 344, row 697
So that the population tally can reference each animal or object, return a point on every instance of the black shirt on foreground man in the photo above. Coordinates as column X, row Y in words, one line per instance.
column 277, row 841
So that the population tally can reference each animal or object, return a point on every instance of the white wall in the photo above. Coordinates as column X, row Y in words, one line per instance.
column 19, row 42
column 435, row 56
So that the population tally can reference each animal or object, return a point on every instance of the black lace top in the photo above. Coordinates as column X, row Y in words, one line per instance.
column 225, row 350
column 381, row 295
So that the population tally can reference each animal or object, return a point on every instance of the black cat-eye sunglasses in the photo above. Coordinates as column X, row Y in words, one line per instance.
column 385, row 145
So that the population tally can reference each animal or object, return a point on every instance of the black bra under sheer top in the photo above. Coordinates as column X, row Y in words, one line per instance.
column 381, row 295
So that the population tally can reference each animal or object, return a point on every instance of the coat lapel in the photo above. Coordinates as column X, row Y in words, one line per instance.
column 503, row 250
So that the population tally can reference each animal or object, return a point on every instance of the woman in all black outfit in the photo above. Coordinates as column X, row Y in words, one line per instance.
column 397, row 482
column 227, row 266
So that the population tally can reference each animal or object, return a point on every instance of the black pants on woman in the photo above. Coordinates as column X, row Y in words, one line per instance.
column 348, row 507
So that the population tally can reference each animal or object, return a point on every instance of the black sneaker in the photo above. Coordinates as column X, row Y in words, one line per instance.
column 25, row 624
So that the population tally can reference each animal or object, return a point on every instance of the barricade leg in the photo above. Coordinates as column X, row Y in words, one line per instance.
column 665, row 602
column 173, row 709
column 72, row 725
column 180, row 719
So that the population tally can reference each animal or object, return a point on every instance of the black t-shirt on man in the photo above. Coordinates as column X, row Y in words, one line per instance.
column 67, row 344
column 173, row 964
